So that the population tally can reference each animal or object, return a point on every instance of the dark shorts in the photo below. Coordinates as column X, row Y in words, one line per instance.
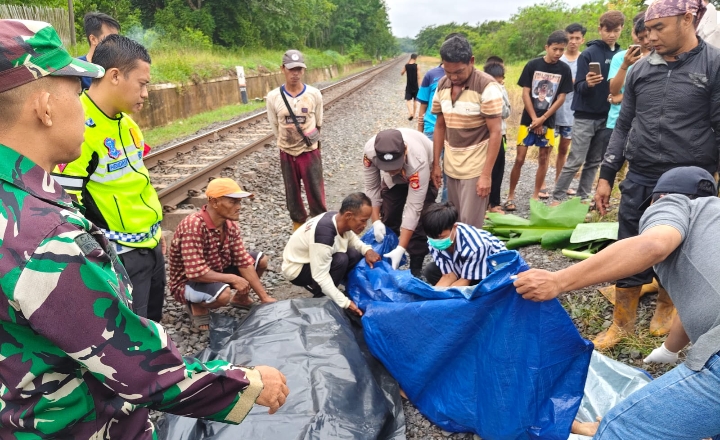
column 563, row 131
column 208, row 292
column 410, row 94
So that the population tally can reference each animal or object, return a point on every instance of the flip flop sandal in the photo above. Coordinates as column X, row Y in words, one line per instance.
column 198, row 320
column 544, row 194
column 510, row 205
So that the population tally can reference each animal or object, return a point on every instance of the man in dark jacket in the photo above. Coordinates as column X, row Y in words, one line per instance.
column 591, row 106
column 670, row 118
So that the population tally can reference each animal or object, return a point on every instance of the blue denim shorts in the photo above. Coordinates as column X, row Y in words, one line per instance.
column 563, row 131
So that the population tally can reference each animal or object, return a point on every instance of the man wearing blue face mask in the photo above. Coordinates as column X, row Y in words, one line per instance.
column 459, row 251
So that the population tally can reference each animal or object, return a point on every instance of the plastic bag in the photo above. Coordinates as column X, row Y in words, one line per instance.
column 337, row 389
column 480, row 360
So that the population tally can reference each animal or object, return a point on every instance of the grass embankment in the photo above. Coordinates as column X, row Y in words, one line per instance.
column 172, row 64
column 184, row 127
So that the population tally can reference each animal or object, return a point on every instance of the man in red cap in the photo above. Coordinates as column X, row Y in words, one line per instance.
column 209, row 266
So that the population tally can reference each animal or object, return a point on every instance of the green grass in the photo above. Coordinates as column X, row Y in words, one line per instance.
column 184, row 127
column 175, row 64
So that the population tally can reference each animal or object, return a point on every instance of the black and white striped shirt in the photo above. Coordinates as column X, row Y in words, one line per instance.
column 469, row 259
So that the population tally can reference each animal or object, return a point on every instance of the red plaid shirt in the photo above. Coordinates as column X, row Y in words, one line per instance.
column 196, row 249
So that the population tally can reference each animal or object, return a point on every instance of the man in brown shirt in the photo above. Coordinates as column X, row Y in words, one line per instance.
column 469, row 104
column 208, row 260
column 299, row 143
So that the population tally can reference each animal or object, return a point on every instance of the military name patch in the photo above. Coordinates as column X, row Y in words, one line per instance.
column 117, row 165
column 87, row 243
column 366, row 161
column 414, row 181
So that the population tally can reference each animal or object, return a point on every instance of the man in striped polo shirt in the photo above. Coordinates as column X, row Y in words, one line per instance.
column 459, row 251
column 469, row 104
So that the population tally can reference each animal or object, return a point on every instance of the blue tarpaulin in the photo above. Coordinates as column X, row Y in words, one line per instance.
column 479, row 359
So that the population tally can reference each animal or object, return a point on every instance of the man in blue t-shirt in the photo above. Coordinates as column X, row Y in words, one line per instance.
column 97, row 26
column 426, row 120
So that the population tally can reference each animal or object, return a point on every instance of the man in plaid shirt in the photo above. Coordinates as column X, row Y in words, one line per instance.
column 209, row 266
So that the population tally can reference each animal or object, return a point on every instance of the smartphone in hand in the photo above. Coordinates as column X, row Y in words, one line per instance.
column 634, row 47
column 595, row 68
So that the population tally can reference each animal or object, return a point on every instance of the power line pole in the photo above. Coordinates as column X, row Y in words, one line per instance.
column 71, row 17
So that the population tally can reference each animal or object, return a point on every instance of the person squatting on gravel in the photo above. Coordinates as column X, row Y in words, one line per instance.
column 545, row 81
column 209, row 266
column 321, row 252
column 469, row 106
column 397, row 179
column 674, row 237
column 459, row 251
column 111, row 180
column 77, row 362
column 670, row 117
column 295, row 112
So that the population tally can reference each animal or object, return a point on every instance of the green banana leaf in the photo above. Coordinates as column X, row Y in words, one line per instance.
column 552, row 227
column 585, row 232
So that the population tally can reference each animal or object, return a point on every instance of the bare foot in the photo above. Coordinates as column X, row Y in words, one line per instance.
column 584, row 428
column 242, row 300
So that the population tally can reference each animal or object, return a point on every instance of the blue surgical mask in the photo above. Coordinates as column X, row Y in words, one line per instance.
column 440, row 243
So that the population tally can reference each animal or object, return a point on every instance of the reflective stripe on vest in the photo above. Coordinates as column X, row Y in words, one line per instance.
column 131, row 238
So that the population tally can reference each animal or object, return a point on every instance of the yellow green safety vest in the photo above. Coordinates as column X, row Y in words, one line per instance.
column 111, row 181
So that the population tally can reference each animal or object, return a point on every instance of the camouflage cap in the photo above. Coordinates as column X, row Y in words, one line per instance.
column 672, row 8
column 30, row 50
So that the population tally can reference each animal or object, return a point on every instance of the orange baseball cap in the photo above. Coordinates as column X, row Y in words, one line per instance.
column 225, row 187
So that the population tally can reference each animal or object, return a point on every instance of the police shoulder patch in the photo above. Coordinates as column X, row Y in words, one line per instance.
column 366, row 161
column 414, row 181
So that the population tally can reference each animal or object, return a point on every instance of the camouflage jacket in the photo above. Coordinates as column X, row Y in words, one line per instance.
column 75, row 361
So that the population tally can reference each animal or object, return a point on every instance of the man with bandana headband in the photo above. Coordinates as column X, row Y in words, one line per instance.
column 670, row 117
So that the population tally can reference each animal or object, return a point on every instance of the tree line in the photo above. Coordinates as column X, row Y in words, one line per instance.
column 348, row 26
column 523, row 36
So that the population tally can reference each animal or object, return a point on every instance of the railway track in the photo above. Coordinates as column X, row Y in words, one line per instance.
column 180, row 171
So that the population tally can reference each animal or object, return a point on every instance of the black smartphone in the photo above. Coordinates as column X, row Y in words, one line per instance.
column 595, row 68
column 634, row 47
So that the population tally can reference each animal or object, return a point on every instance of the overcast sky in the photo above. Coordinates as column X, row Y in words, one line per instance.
column 409, row 16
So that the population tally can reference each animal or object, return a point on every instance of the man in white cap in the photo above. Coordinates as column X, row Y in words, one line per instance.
column 295, row 112
column 397, row 165
column 209, row 266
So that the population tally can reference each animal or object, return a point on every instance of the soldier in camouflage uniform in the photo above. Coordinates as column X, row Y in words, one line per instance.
column 75, row 361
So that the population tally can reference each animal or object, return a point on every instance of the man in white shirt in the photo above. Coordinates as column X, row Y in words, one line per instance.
column 321, row 252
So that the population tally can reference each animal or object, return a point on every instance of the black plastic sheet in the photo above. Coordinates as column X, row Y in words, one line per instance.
column 337, row 389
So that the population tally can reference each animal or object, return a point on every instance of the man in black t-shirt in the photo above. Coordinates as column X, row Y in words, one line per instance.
column 412, row 87
column 545, row 82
